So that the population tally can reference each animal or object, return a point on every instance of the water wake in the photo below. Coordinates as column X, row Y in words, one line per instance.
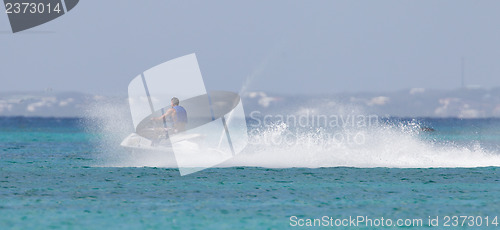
column 281, row 145
column 383, row 146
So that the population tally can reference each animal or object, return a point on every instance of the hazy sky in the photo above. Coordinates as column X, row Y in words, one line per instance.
column 278, row 46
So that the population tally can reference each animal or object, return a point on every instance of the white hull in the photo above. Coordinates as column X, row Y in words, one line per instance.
column 136, row 141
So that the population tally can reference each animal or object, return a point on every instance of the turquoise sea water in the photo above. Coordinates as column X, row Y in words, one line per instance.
column 52, row 177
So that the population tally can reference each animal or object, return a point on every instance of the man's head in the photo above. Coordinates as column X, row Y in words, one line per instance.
column 175, row 101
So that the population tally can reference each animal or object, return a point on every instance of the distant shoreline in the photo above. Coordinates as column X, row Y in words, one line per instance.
column 415, row 103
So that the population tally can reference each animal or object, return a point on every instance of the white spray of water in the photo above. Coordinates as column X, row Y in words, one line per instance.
column 352, row 143
column 383, row 146
column 281, row 146
column 110, row 119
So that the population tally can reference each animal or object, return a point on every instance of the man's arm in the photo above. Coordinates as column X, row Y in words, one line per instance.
column 169, row 111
